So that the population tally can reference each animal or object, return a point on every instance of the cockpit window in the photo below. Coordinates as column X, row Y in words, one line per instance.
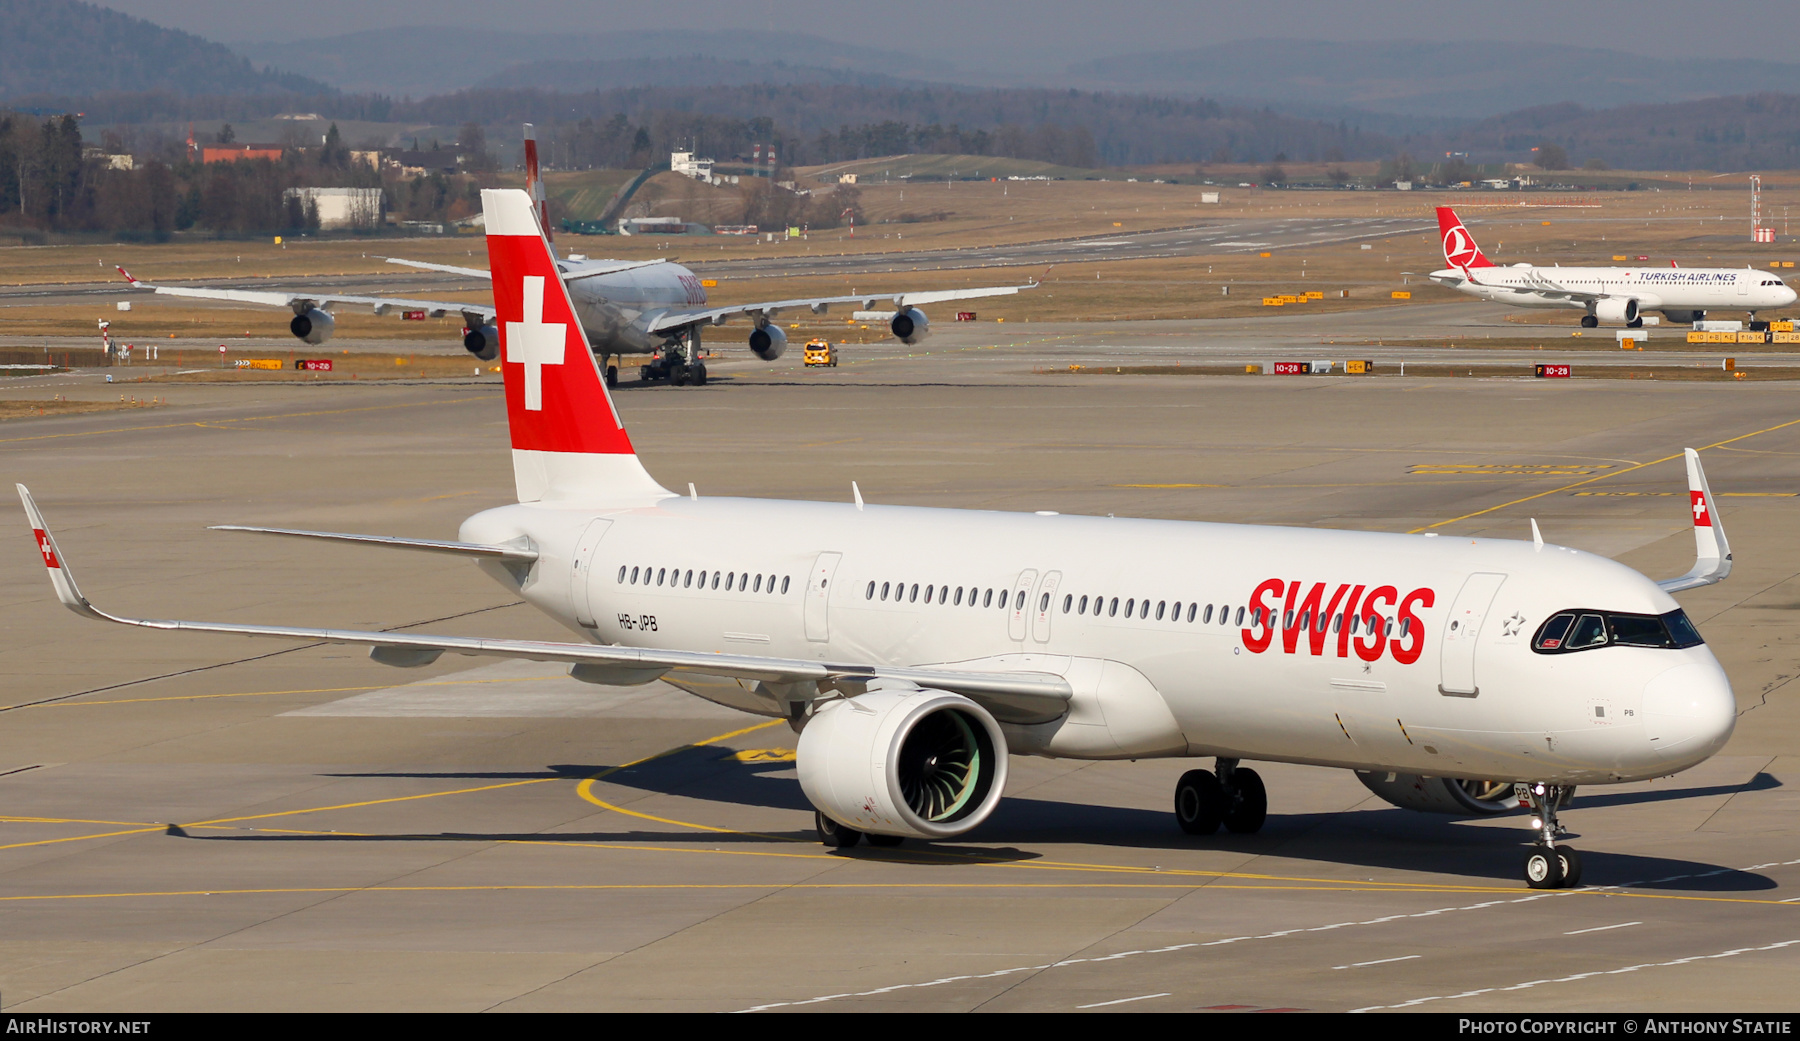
column 1681, row 631
column 1569, row 631
column 1590, row 631
column 1553, row 633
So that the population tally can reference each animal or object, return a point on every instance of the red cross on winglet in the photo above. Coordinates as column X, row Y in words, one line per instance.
column 1702, row 514
column 45, row 548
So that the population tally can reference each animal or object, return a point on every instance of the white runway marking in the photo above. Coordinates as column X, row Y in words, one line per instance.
column 1601, row 928
column 1584, row 976
column 1123, row 1001
column 1379, row 961
column 1172, row 948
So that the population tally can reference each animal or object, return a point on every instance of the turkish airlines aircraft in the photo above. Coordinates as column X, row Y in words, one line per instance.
column 626, row 306
column 915, row 649
column 1613, row 294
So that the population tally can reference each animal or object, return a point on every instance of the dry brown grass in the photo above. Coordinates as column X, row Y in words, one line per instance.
column 1704, row 226
column 61, row 407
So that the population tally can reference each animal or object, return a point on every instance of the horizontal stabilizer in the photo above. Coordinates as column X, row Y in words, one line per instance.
column 448, row 269
column 518, row 552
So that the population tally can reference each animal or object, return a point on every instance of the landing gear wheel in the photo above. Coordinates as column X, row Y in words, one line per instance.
column 1588, row 321
column 699, row 375
column 678, row 375
column 1199, row 802
column 886, row 840
column 831, row 833
column 1571, row 866
column 1249, row 803
column 612, row 375
column 1544, row 868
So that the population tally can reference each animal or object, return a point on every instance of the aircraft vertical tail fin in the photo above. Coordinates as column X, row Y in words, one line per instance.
column 1460, row 250
column 568, row 443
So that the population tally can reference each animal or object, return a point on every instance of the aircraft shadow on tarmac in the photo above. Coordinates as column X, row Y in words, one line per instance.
column 1388, row 838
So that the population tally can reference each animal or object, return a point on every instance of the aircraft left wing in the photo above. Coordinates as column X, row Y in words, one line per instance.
column 301, row 301
column 1023, row 697
column 676, row 319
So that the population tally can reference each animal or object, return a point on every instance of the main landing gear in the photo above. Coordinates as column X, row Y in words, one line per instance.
column 1548, row 865
column 1589, row 321
column 1228, row 794
column 679, row 362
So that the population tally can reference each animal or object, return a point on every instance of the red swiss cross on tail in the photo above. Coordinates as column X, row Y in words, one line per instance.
column 1702, row 514
column 1460, row 250
column 567, row 440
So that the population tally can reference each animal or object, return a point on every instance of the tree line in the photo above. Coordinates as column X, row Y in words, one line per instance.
column 51, row 180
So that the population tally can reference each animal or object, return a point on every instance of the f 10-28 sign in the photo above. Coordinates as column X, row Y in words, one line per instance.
column 1552, row 372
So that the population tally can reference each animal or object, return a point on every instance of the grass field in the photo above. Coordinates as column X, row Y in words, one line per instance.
column 1704, row 226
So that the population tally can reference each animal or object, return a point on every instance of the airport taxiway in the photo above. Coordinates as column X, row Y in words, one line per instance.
column 201, row 822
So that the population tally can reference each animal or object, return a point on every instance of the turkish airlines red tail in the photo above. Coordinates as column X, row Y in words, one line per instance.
column 567, row 440
column 1460, row 250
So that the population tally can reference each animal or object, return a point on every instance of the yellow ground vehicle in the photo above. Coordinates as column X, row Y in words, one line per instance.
column 821, row 352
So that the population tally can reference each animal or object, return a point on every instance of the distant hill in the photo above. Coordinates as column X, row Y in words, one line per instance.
column 69, row 48
column 1470, row 79
column 579, row 76
column 1748, row 132
column 420, row 61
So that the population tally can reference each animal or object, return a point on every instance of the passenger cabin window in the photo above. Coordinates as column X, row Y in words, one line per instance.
column 1576, row 630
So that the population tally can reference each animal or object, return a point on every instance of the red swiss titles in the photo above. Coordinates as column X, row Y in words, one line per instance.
column 1345, row 619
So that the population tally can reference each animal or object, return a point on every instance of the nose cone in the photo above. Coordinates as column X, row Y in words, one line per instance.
column 1688, row 713
column 1788, row 296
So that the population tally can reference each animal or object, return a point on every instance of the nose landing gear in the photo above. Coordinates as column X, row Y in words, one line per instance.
column 1548, row 865
column 1228, row 795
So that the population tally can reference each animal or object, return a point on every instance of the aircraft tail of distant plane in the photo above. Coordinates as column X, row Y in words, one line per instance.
column 1460, row 250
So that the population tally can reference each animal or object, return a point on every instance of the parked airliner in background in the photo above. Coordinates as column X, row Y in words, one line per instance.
column 913, row 649
column 1612, row 294
column 626, row 306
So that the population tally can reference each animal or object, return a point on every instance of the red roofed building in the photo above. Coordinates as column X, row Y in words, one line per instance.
column 233, row 153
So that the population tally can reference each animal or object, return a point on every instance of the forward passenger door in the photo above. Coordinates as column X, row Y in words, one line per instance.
column 1462, row 626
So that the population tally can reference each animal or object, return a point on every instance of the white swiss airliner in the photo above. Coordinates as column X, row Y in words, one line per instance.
column 1612, row 294
column 914, row 648
column 626, row 306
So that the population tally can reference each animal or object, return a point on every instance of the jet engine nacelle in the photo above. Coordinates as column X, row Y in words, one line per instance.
column 483, row 341
column 769, row 342
column 1685, row 317
column 1614, row 309
column 911, row 762
column 315, row 326
column 910, row 325
column 1441, row 794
